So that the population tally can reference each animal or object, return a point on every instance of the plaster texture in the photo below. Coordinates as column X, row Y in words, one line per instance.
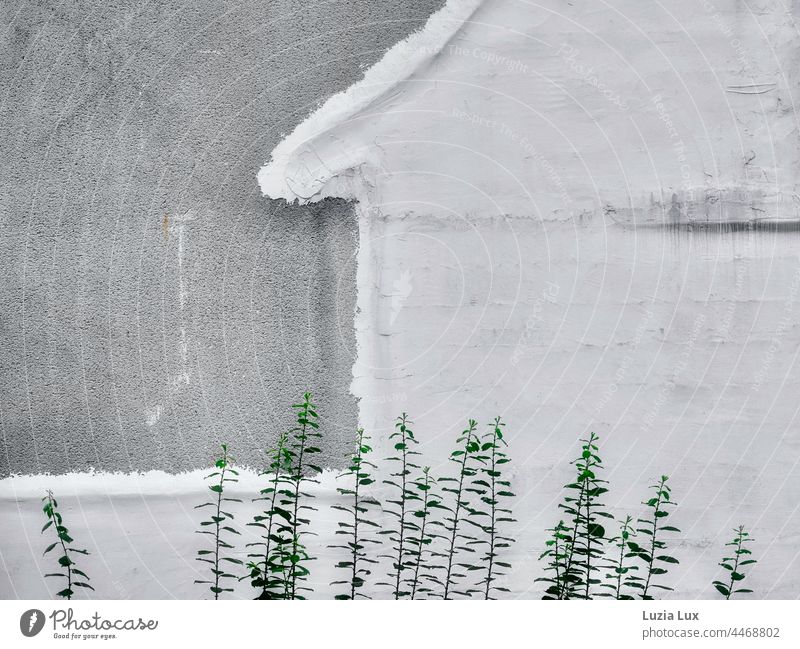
column 153, row 303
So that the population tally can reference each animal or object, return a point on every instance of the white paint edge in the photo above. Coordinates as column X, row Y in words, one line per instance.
column 295, row 170
column 149, row 483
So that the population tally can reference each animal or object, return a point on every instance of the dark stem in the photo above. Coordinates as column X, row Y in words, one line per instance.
column 556, row 562
column 415, row 582
column 492, row 520
column 216, row 524
column 621, row 556
column 355, row 519
column 295, row 524
column 735, row 563
column 61, row 541
column 588, row 542
column 568, row 565
column 284, row 575
column 399, row 567
column 271, row 516
column 455, row 519
column 653, row 540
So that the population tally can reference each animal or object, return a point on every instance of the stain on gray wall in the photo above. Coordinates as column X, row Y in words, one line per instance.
column 153, row 304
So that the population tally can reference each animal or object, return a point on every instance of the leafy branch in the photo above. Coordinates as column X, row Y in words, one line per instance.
column 621, row 577
column 402, row 438
column 302, row 439
column 556, row 551
column 653, row 528
column 424, row 527
column 358, row 515
column 585, row 547
column 218, row 522
column 267, row 569
column 741, row 557
column 63, row 541
column 466, row 458
column 495, row 488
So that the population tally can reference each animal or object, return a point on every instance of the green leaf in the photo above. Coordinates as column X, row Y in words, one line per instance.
column 596, row 530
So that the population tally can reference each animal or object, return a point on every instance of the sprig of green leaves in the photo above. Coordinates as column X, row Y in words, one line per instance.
column 398, row 506
column 425, row 530
column 218, row 525
column 74, row 576
column 303, row 440
column 466, row 457
column 494, row 490
column 557, row 548
column 268, row 571
column 358, row 512
column 585, row 542
column 654, row 554
column 620, row 575
column 734, row 565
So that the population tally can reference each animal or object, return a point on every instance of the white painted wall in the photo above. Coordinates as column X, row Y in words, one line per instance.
column 494, row 280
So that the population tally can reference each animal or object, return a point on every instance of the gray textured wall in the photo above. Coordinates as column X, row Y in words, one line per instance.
column 152, row 303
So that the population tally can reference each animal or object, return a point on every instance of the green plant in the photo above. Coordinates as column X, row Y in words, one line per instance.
column 301, row 445
column 399, row 506
column 584, row 543
column 218, row 522
column 268, row 571
column 466, row 457
column 358, row 515
column 655, row 551
column 64, row 541
column 620, row 575
column 556, row 552
column 423, row 534
column 495, row 489
column 735, row 563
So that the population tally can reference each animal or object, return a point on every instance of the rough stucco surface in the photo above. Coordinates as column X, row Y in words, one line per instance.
column 153, row 303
